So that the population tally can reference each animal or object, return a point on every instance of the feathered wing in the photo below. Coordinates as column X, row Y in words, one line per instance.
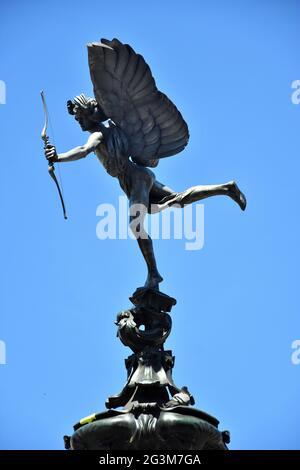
column 125, row 89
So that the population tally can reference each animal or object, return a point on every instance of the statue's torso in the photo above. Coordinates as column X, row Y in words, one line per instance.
column 110, row 164
column 128, row 173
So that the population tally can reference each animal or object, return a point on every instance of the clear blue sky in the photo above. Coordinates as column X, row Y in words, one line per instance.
column 228, row 66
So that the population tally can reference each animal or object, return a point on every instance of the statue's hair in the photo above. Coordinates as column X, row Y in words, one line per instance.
column 85, row 102
column 82, row 101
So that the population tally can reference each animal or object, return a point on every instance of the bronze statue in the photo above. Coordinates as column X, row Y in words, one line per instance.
column 144, row 126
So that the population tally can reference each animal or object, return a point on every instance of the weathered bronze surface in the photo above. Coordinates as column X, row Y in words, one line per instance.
column 156, row 413
column 143, row 127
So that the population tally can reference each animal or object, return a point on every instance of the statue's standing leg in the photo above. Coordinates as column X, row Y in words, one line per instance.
column 138, row 207
column 162, row 197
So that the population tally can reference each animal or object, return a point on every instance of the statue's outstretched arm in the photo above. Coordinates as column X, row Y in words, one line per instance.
column 76, row 153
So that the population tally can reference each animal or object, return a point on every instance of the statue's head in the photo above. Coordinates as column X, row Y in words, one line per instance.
column 87, row 112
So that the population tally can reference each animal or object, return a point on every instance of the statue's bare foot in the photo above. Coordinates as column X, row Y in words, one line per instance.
column 153, row 280
column 236, row 194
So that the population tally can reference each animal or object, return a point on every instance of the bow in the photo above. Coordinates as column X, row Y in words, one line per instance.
column 51, row 169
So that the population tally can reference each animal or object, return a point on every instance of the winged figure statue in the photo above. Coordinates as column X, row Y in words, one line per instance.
column 133, row 125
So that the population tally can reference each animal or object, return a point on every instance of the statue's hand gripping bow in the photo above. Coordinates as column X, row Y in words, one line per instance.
column 51, row 169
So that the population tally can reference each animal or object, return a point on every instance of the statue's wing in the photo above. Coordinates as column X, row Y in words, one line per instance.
column 125, row 88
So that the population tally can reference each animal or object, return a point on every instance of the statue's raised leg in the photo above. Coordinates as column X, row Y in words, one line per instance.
column 197, row 193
